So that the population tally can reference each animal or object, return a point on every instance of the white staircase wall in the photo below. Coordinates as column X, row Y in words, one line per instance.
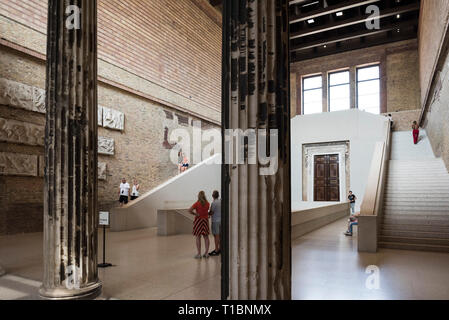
column 360, row 128
column 179, row 192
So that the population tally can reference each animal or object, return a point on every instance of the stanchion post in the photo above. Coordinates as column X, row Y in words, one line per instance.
column 104, row 220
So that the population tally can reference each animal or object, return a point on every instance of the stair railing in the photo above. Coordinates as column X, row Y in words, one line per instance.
column 372, row 204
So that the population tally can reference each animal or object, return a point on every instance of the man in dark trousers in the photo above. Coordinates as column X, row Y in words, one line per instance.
column 215, row 213
column 352, row 198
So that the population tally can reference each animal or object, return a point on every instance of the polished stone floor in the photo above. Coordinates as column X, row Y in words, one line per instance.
column 145, row 266
column 326, row 265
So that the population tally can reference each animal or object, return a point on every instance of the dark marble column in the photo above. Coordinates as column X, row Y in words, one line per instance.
column 70, row 205
column 256, row 198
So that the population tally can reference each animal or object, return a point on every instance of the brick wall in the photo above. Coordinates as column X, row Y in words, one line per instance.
column 175, row 44
column 400, row 90
column 433, row 24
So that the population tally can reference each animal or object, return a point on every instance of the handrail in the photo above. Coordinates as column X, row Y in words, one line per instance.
column 372, row 199
column 371, row 208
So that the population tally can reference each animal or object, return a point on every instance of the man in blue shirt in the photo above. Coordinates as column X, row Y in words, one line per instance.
column 215, row 213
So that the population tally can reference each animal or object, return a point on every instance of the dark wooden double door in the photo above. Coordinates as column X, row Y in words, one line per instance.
column 326, row 182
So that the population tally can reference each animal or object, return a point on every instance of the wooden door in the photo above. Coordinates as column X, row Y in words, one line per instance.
column 326, row 184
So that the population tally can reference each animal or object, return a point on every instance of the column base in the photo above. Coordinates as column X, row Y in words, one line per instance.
column 88, row 293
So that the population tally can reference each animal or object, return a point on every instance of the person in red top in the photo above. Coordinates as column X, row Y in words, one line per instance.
column 200, row 210
column 415, row 128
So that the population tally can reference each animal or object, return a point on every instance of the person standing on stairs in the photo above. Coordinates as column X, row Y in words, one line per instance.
column 352, row 198
column 415, row 128
column 200, row 210
column 135, row 191
column 123, row 192
column 184, row 163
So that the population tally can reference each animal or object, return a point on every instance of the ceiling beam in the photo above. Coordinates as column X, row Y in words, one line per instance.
column 296, row 2
column 372, row 43
column 353, row 35
column 331, row 9
column 356, row 20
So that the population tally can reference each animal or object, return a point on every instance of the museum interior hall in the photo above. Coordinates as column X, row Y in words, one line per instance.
column 322, row 125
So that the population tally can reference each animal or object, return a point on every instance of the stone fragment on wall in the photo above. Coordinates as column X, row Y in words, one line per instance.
column 106, row 146
column 113, row 119
column 102, row 167
column 100, row 116
column 41, row 166
column 22, row 96
column 21, row 132
column 15, row 164
column 39, row 100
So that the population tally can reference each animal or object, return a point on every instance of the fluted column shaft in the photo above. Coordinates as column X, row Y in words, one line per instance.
column 70, row 195
column 256, row 84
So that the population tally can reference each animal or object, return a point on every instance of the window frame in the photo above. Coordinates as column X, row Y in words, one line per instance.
column 361, row 81
column 304, row 90
column 337, row 85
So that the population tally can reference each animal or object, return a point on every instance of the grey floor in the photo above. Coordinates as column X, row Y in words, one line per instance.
column 326, row 265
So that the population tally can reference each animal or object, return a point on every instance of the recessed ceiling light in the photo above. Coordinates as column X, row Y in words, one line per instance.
column 339, row 14
column 325, row 46
column 398, row 16
column 310, row 21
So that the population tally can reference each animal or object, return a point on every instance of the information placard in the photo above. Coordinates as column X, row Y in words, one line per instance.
column 104, row 218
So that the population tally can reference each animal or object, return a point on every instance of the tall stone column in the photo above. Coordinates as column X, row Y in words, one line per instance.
column 257, row 193
column 70, row 205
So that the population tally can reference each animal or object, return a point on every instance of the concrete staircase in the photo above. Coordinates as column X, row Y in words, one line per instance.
column 416, row 202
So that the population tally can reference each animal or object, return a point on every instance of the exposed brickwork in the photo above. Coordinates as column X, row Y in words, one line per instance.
column 402, row 120
column 399, row 73
column 433, row 24
column 175, row 44
column 187, row 63
column 437, row 116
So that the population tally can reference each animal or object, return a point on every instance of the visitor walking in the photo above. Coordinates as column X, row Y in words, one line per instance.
column 200, row 210
column 185, row 163
column 352, row 198
column 415, row 128
column 124, row 192
column 135, row 191
column 215, row 213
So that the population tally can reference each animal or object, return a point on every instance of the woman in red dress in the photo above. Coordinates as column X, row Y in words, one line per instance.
column 415, row 128
column 201, row 223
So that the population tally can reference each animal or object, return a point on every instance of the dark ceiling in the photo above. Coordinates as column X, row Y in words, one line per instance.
column 325, row 27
